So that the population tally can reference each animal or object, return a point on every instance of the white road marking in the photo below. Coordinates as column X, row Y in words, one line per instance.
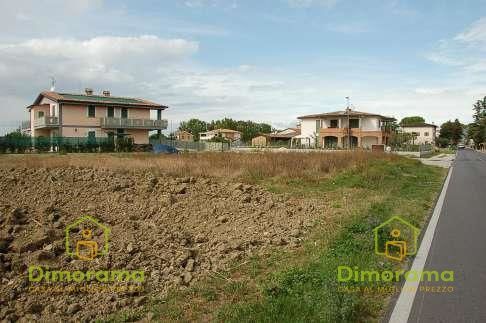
column 404, row 304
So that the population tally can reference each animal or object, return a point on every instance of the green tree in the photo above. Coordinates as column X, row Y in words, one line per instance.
column 412, row 120
column 16, row 135
column 249, row 129
column 477, row 130
column 451, row 132
column 194, row 126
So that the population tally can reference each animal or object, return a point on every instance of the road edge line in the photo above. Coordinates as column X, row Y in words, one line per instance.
column 403, row 306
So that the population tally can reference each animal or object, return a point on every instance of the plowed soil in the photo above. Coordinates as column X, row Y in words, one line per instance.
column 175, row 230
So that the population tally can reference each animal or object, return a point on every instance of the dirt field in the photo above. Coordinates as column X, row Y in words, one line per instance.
column 174, row 229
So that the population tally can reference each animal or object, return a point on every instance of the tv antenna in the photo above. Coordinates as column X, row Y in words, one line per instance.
column 53, row 83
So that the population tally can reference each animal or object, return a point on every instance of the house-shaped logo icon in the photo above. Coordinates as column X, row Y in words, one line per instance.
column 86, row 238
column 396, row 238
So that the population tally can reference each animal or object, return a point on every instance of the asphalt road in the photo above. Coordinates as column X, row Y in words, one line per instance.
column 459, row 244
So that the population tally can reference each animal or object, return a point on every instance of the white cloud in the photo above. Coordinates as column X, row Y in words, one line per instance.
column 225, row 4
column 476, row 33
column 348, row 28
column 466, row 52
column 312, row 3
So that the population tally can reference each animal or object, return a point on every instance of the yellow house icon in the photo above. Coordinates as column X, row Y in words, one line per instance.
column 396, row 238
column 80, row 241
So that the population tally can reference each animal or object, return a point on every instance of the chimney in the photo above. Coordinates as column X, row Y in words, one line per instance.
column 88, row 91
column 106, row 93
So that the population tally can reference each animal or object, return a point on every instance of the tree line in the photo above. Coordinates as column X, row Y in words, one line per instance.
column 249, row 129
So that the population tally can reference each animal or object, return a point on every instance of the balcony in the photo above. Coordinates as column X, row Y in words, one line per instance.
column 357, row 132
column 46, row 122
column 25, row 125
column 148, row 124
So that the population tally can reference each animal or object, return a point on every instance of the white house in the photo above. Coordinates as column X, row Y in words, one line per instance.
column 423, row 133
column 228, row 134
column 343, row 128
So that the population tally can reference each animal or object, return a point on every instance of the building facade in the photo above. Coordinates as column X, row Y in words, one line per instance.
column 228, row 134
column 424, row 133
column 278, row 138
column 342, row 129
column 55, row 114
column 183, row 135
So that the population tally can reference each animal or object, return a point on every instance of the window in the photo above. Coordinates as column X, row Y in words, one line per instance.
column 124, row 113
column 416, row 134
column 426, row 134
column 40, row 114
column 110, row 112
column 91, row 134
column 318, row 125
column 334, row 124
column 354, row 123
column 91, row 111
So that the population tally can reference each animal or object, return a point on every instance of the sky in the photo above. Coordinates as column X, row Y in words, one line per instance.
column 267, row 60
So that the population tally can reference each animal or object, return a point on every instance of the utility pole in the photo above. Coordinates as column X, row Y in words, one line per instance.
column 349, row 126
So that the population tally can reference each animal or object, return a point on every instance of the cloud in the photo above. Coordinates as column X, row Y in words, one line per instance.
column 348, row 28
column 466, row 50
column 225, row 4
column 475, row 34
column 312, row 3
column 119, row 63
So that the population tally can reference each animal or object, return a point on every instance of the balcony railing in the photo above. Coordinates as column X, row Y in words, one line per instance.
column 113, row 123
column 25, row 125
column 46, row 122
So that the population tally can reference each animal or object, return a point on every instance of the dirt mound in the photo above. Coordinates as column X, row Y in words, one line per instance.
column 175, row 230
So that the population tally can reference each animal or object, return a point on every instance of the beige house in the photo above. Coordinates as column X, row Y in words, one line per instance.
column 183, row 135
column 423, row 133
column 228, row 134
column 278, row 138
column 345, row 128
column 88, row 115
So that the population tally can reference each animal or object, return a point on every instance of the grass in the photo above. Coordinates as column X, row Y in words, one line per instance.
column 250, row 166
column 302, row 285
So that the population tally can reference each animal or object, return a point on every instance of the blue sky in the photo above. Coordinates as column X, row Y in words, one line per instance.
column 267, row 60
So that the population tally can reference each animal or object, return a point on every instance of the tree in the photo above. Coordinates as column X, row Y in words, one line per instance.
column 451, row 132
column 412, row 120
column 249, row 129
column 194, row 126
column 16, row 135
column 477, row 130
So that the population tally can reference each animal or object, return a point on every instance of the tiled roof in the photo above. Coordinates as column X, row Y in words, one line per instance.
column 100, row 99
column 344, row 113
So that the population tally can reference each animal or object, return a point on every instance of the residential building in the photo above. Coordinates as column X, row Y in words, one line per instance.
column 279, row 138
column 341, row 129
column 88, row 115
column 183, row 135
column 422, row 133
column 228, row 134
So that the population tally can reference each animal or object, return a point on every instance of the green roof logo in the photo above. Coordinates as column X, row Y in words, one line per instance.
column 86, row 238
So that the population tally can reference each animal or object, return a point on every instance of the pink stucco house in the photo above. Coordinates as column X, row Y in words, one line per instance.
column 55, row 114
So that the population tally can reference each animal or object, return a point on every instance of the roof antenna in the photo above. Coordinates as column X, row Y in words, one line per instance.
column 347, row 103
column 53, row 83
